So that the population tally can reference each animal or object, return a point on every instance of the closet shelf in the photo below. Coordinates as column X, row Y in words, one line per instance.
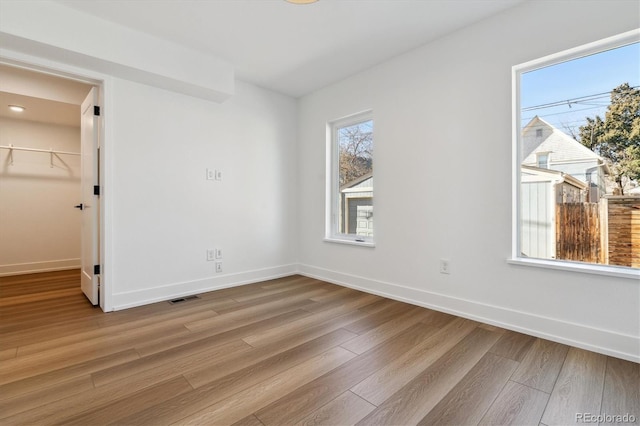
column 50, row 151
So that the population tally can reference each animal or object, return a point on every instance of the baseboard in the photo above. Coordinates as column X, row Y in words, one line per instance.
column 158, row 294
column 590, row 338
column 35, row 267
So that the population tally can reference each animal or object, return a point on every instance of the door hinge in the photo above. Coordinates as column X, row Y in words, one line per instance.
column 96, row 269
column 96, row 110
column 96, row 189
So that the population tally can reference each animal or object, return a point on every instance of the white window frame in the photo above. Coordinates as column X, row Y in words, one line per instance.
column 332, row 233
column 517, row 70
column 547, row 158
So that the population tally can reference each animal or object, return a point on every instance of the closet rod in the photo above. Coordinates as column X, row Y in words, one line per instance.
column 50, row 151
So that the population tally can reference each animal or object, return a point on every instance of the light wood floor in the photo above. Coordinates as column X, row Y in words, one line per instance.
column 284, row 352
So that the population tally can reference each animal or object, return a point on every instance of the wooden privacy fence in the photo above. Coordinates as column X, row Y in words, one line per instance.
column 578, row 232
column 624, row 230
column 607, row 232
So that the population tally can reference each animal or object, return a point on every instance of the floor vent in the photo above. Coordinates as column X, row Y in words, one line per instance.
column 183, row 299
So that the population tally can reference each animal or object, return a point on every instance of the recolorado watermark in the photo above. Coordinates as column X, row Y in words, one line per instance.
column 605, row 418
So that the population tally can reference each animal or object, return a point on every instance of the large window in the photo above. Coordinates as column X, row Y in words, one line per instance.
column 350, row 180
column 577, row 158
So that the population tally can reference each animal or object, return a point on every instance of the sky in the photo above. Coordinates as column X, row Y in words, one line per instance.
column 570, row 82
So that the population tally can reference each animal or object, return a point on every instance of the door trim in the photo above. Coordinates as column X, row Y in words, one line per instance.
column 104, row 84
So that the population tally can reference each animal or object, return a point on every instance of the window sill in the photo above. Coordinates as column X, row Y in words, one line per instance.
column 607, row 270
column 349, row 242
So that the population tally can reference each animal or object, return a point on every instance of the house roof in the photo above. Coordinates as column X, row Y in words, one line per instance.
column 563, row 148
column 357, row 181
column 556, row 176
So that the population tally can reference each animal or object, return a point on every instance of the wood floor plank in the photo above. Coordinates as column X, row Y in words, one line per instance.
column 261, row 293
column 622, row 391
column 248, row 421
column 248, row 314
column 378, row 318
column 52, row 336
column 379, row 305
column 340, row 293
column 541, row 365
column 578, row 389
column 235, row 375
column 385, row 331
column 235, row 407
column 58, row 411
column 299, row 293
column 401, row 370
column 45, row 395
column 198, row 352
column 21, row 368
column 120, row 332
column 312, row 347
column 467, row 402
column 209, row 360
column 285, row 330
column 305, row 400
column 513, row 345
column 50, row 378
column 516, row 405
column 9, row 353
column 284, row 282
column 113, row 411
column 223, row 333
column 317, row 330
column 27, row 298
column 357, row 300
column 346, row 409
column 411, row 403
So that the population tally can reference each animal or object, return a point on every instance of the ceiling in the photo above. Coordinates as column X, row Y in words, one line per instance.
column 40, row 110
column 47, row 98
column 296, row 49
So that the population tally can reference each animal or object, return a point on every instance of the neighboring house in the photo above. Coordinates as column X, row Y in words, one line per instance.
column 541, row 190
column 357, row 206
column 546, row 147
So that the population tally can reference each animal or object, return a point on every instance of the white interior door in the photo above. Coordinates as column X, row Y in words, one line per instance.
column 89, row 200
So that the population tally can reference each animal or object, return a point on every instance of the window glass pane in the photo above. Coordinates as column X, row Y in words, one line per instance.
column 543, row 161
column 580, row 159
column 354, row 193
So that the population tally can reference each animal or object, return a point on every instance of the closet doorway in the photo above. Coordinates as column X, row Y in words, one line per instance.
column 49, row 189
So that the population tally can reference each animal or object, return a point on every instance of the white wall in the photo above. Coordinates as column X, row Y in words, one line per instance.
column 165, row 214
column 442, row 117
column 39, row 228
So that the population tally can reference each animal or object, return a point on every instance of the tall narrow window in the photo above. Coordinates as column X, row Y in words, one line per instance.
column 577, row 158
column 350, row 180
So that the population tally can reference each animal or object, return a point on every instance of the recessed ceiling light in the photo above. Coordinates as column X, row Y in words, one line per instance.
column 16, row 108
column 301, row 1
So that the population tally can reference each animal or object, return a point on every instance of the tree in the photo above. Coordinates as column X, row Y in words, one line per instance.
column 356, row 150
column 617, row 137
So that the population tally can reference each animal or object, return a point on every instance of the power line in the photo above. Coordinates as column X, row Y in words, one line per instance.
column 568, row 102
column 566, row 112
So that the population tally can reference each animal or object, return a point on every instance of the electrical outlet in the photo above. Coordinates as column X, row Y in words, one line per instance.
column 445, row 267
column 218, row 267
column 211, row 254
column 211, row 174
column 218, row 253
column 218, row 174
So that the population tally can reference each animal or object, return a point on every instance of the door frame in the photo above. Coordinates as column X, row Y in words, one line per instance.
column 104, row 84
